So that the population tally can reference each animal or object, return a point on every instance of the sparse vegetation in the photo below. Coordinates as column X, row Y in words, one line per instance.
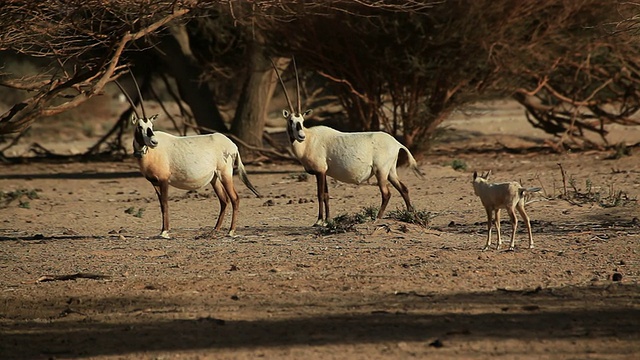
column 459, row 165
column 299, row 177
column 347, row 222
column 195, row 194
column 6, row 198
column 137, row 213
column 418, row 217
column 593, row 194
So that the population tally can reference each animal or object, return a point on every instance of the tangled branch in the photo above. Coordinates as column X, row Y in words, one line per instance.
column 87, row 53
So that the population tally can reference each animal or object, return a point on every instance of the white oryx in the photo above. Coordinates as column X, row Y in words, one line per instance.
column 495, row 196
column 348, row 157
column 188, row 163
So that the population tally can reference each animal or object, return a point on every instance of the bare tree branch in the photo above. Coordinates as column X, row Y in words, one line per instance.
column 59, row 40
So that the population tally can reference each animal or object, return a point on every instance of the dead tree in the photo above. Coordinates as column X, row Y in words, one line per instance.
column 86, row 43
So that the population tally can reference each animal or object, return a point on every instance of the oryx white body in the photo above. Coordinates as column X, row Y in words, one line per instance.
column 347, row 157
column 507, row 195
column 189, row 163
column 174, row 159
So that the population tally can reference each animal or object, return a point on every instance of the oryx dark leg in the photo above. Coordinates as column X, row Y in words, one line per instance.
column 326, row 199
column 323, row 198
column 227, row 184
column 222, row 197
column 383, row 184
column 162, row 191
column 402, row 189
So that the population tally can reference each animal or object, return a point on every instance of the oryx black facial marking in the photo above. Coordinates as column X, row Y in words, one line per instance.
column 290, row 133
column 138, row 137
column 291, row 127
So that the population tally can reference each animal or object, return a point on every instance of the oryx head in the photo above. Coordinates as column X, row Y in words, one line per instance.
column 295, row 118
column 144, row 135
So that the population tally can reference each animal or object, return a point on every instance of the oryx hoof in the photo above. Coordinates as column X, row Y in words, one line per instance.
column 320, row 222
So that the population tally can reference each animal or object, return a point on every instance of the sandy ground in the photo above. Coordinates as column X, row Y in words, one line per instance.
column 282, row 289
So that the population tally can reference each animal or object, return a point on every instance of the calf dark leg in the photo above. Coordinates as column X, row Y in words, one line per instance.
column 525, row 217
column 497, row 222
column 489, row 225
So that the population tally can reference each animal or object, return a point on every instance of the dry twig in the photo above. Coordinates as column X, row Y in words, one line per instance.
column 46, row 278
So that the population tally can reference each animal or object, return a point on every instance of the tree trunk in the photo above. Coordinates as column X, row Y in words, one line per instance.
column 176, row 54
column 257, row 90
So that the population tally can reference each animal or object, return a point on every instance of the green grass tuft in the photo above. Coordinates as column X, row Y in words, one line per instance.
column 7, row 197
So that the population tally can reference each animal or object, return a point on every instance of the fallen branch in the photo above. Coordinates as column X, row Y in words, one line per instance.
column 46, row 278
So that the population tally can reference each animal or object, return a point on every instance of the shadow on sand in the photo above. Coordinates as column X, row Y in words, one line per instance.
column 120, row 326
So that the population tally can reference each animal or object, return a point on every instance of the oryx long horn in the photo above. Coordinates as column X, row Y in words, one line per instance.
column 133, row 105
column 295, row 68
column 144, row 114
column 284, row 89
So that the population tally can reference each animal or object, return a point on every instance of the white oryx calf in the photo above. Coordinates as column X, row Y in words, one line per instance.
column 495, row 196
column 347, row 157
column 188, row 163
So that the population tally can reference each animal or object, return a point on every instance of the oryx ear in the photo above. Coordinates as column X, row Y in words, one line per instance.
column 475, row 175
column 133, row 118
column 286, row 113
column 153, row 117
column 307, row 112
column 488, row 173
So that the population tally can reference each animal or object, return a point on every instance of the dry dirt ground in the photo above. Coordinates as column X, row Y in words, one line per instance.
column 281, row 289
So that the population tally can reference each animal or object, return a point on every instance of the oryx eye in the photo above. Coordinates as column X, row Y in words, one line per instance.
column 149, row 133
